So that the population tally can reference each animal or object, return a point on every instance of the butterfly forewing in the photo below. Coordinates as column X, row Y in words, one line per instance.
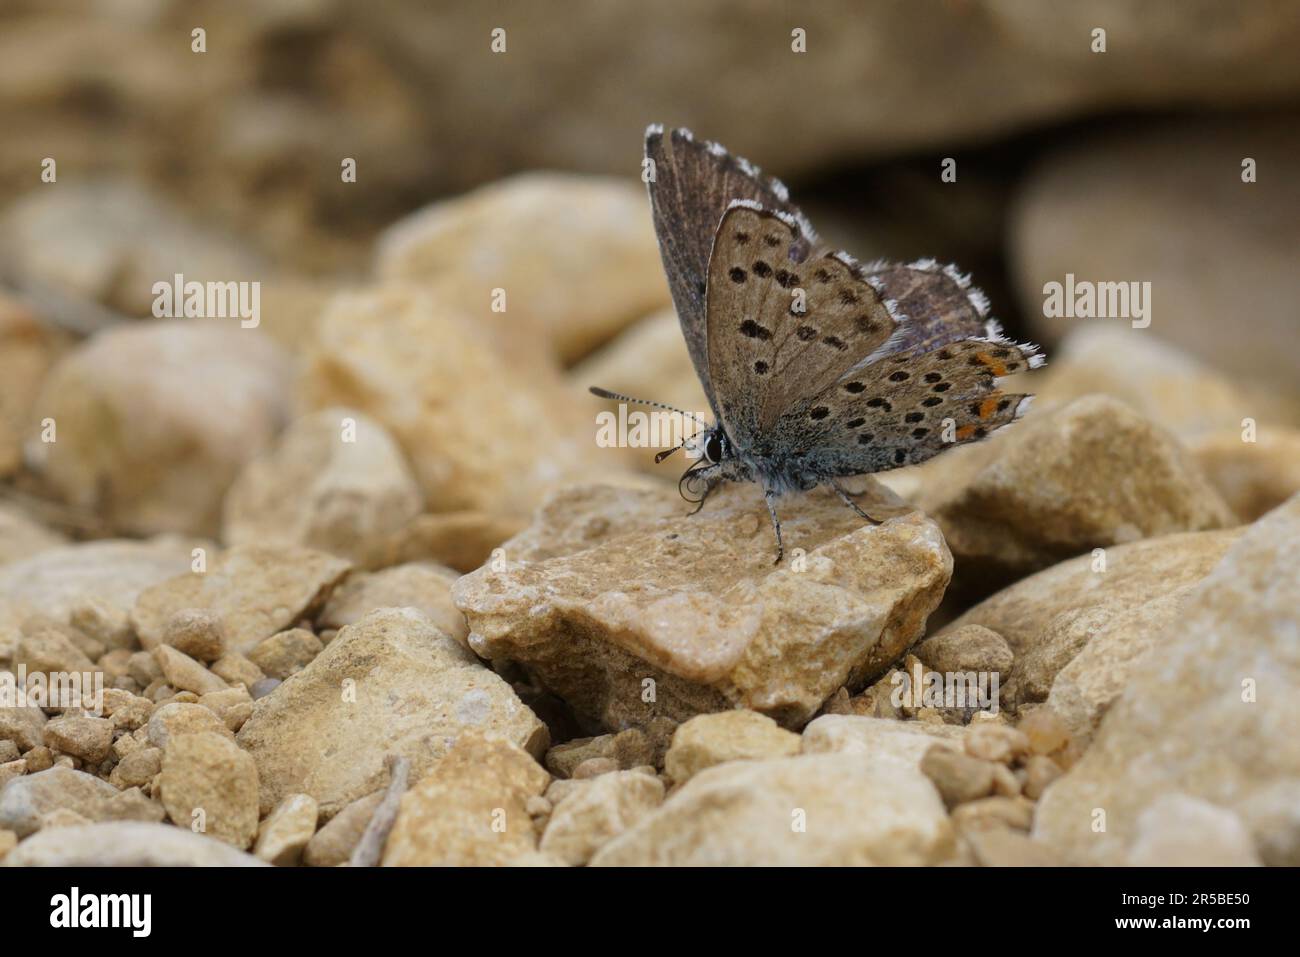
column 691, row 185
column 782, row 322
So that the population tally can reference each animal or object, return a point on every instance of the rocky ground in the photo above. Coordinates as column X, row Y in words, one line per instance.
column 362, row 588
column 569, row 670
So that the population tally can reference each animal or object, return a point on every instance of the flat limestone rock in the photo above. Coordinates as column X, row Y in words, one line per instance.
column 826, row 809
column 257, row 590
column 1050, row 619
column 391, row 684
column 24, row 800
column 628, row 608
column 126, row 844
column 1212, row 715
column 470, row 809
column 1089, row 474
column 334, row 481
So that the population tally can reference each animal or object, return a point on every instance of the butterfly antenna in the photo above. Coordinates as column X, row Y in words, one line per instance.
column 618, row 396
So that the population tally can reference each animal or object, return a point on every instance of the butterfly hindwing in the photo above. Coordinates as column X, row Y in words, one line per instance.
column 691, row 184
column 940, row 303
column 911, row 406
column 782, row 322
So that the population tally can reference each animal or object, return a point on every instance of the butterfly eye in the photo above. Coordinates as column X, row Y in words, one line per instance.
column 713, row 449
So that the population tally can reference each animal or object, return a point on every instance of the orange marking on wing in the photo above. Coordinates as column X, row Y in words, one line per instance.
column 996, row 367
column 988, row 407
column 965, row 432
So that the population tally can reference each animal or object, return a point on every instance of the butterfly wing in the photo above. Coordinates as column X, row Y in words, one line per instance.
column 783, row 321
column 693, row 184
column 940, row 303
column 910, row 406
column 885, row 365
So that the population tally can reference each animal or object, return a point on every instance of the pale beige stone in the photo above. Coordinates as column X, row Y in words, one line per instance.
column 390, row 684
column 612, row 587
column 710, row 739
column 206, row 778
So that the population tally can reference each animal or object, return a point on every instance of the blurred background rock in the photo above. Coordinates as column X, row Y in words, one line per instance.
column 517, row 170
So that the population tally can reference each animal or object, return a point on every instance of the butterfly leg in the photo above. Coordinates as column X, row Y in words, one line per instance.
column 848, row 500
column 770, row 496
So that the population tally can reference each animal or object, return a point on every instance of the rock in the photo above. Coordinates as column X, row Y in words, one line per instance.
column 236, row 669
column 90, row 739
column 21, row 536
column 49, row 650
column 1043, row 491
column 104, row 622
column 28, row 347
column 806, row 810
column 8, row 841
column 905, row 742
column 1003, row 847
column 25, row 800
column 996, row 743
column 137, row 769
column 62, row 817
column 178, row 718
column 1253, row 477
column 209, row 782
column 196, row 632
column 390, row 684
column 335, row 481
column 420, row 585
column 1215, row 702
column 213, row 395
column 710, row 739
column 126, row 844
column 994, row 813
column 461, row 540
column 12, row 769
column 487, row 240
column 1176, row 830
column 23, row 726
column 1040, row 771
column 1155, row 379
column 627, row 749
column 57, row 581
column 131, row 805
column 8, row 751
column 583, row 822
column 334, row 843
column 1106, row 209
column 183, row 672
column 285, row 833
column 126, row 238
column 593, row 768
column 255, row 590
column 613, row 587
column 440, row 393
column 958, row 777
column 469, row 809
column 1050, row 618
column 286, row 652
column 969, row 648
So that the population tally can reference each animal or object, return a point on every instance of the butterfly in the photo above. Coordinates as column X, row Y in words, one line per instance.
column 816, row 367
